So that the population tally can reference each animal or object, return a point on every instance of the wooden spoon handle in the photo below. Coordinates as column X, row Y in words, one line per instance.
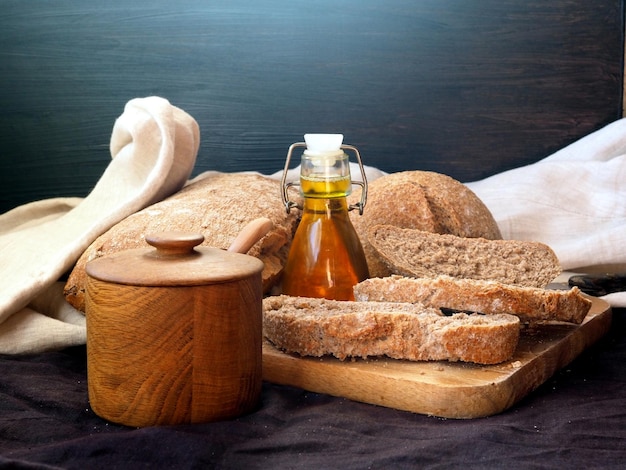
column 251, row 234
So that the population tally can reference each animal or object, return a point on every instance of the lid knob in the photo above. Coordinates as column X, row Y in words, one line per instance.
column 174, row 243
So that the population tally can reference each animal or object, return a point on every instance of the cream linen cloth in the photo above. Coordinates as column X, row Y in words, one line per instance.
column 574, row 201
column 153, row 147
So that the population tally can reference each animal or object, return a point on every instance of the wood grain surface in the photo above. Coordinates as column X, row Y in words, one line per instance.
column 464, row 88
column 172, row 355
column 444, row 389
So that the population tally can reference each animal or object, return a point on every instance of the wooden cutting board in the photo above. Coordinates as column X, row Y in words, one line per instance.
column 449, row 390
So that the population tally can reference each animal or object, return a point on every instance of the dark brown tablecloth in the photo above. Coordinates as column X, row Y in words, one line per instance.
column 577, row 419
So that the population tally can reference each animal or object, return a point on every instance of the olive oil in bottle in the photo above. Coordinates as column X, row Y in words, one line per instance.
column 326, row 258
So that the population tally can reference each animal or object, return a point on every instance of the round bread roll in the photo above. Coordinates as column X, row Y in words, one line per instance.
column 217, row 205
column 421, row 200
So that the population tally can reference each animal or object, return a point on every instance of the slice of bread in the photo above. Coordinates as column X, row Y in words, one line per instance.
column 416, row 253
column 318, row 327
column 530, row 304
column 423, row 200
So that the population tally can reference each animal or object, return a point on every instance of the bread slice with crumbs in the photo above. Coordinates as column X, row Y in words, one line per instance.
column 349, row 329
column 416, row 253
column 423, row 200
column 530, row 304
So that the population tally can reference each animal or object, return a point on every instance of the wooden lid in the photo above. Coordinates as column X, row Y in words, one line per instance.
column 175, row 260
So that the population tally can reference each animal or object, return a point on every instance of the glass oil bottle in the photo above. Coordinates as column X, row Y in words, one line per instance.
column 326, row 258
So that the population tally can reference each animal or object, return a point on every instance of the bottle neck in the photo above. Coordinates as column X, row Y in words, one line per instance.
column 322, row 187
column 325, row 194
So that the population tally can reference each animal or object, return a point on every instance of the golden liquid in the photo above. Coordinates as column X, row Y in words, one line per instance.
column 326, row 258
column 319, row 187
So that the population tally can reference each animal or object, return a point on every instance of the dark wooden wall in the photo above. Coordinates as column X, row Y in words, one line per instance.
column 463, row 87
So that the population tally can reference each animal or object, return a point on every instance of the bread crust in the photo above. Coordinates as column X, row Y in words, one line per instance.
column 416, row 253
column 422, row 200
column 345, row 329
column 530, row 304
column 217, row 205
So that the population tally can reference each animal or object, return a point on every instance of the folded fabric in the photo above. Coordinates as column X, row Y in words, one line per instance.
column 573, row 200
column 153, row 147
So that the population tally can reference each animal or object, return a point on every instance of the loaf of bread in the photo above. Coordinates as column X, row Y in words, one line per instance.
column 348, row 329
column 416, row 253
column 530, row 304
column 217, row 205
column 422, row 200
